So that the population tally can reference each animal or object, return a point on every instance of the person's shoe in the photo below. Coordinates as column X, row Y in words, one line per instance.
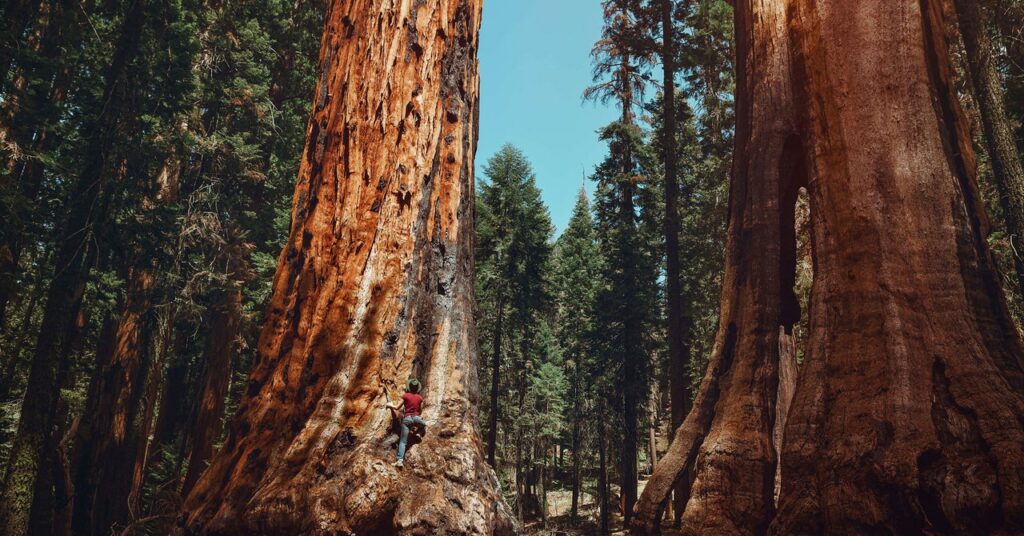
column 398, row 464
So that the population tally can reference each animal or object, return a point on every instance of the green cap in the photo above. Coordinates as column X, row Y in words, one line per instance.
column 413, row 385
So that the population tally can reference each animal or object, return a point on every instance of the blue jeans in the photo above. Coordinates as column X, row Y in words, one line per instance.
column 405, row 433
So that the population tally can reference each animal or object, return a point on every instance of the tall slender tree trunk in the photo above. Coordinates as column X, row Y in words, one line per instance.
column 577, row 440
column 628, row 456
column 679, row 380
column 221, row 349
column 652, row 432
column 374, row 286
column 523, row 476
column 519, row 470
column 492, row 430
column 678, row 334
column 172, row 413
column 633, row 354
column 541, row 489
column 999, row 140
column 680, row 490
column 88, row 208
column 729, row 430
column 143, row 429
column 108, row 434
column 64, row 486
column 603, row 500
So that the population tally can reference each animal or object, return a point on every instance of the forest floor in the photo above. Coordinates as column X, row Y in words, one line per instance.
column 559, row 502
column 558, row 523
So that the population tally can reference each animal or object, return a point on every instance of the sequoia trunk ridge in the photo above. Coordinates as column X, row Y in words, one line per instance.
column 374, row 285
column 910, row 393
column 728, row 432
column 906, row 415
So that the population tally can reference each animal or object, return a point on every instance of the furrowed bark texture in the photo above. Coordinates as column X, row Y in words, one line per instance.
column 722, row 455
column 374, row 285
column 908, row 411
column 783, row 398
column 907, row 414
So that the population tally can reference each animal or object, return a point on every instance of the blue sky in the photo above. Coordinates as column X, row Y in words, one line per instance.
column 534, row 65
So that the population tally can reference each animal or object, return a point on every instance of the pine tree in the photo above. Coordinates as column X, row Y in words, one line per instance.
column 512, row 254
column 627, row 302
column 576, row 270
column 541, row 418
column 624, row 316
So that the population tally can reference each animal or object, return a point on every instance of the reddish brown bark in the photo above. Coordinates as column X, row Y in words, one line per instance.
column 374, row 285
column 110, row 431
column 89, row 208
column 113, row 433
column 783, row 396
column 907, row 411
column 911, row 392
column 218, row 355
column 729, row 430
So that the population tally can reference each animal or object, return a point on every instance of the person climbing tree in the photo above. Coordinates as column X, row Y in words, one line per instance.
column 372, row 283
column 412, row 404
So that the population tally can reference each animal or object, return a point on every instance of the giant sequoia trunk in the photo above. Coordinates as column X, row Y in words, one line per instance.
column 912, row 389
column 374, row 285
column 907, row 411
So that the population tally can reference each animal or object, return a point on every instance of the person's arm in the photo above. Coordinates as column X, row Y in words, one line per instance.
column 396, row 407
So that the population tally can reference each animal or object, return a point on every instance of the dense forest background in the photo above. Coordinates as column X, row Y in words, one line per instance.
column 149, row 153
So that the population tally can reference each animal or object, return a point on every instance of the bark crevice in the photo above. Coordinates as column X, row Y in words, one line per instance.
column 368, row 294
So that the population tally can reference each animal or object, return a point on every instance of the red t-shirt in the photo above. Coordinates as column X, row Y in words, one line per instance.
column 413, row 402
